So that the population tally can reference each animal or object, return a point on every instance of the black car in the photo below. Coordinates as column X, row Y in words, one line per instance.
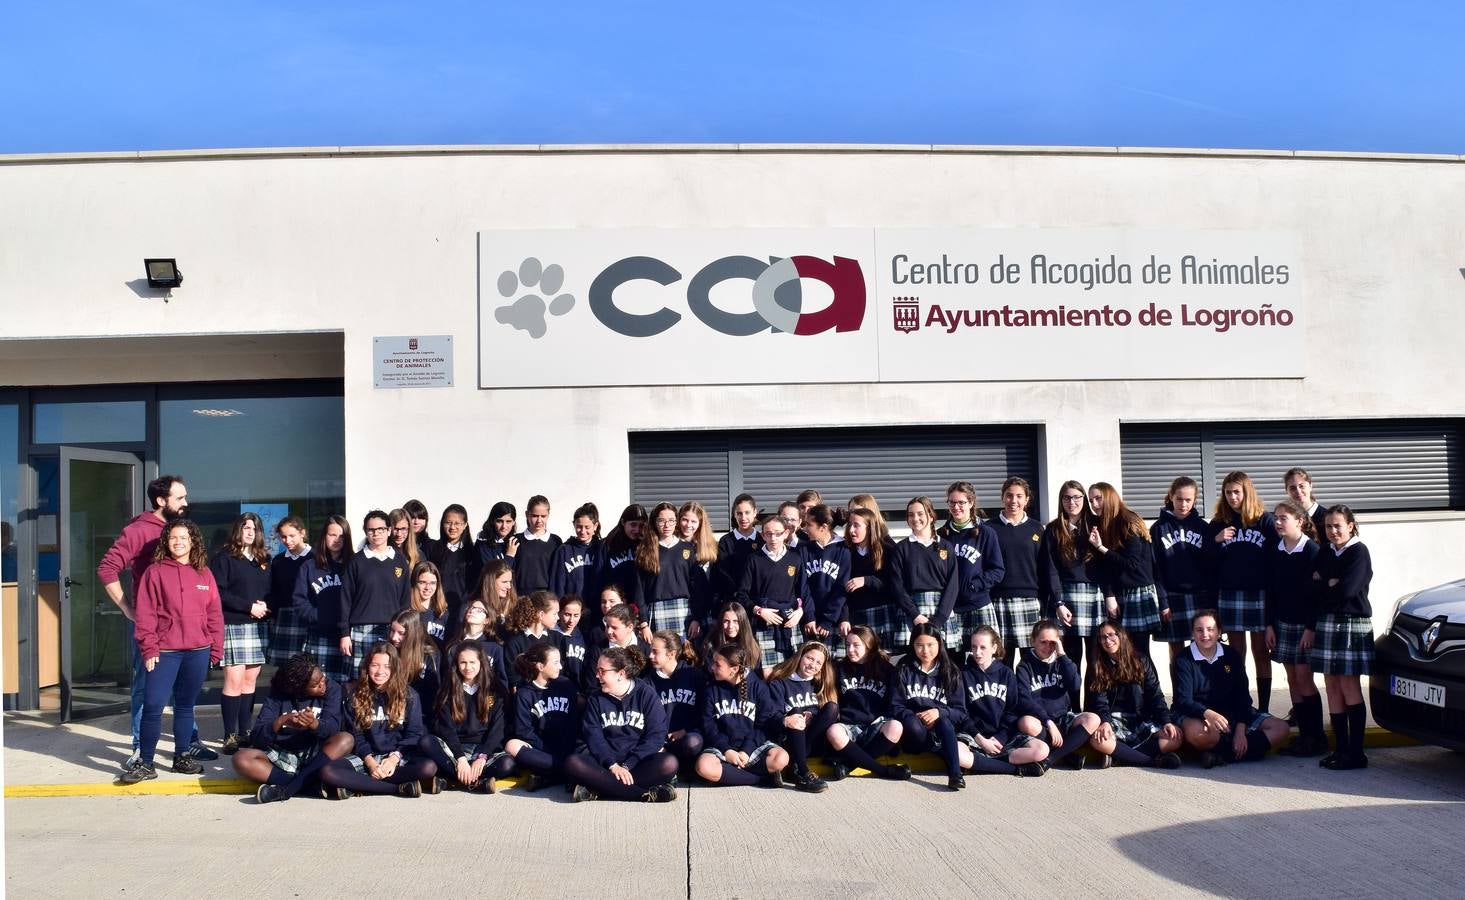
column 1418, row 686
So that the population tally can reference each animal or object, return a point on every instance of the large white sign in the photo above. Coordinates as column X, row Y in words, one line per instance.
column 696, row 306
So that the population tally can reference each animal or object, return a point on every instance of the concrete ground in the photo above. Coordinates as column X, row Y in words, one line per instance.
column 1276, row 828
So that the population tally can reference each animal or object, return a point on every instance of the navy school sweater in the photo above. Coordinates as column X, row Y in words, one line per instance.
column 492, row 550
column 795, row 695
column 317, row 597
column 680, row 576
column 545, row 717
column 772, row 584
column 730, row 722
column 460, row 571
column 1138, row 702
column 1354, row 570
column 995, row 700
column 572, row 653
column 575, row 569
column 979, row 562
column 826, row 569
column 297, row 740
column 876, row 590
column 625, row 729
column 588, row 682
column 1221, row 685
column 681, row 695
column 487, row 736
column 1054, row 571
column 921, row 568
column 616, row 567
column 1241, row 563
column 733, row 554
column 1182, row 562
column 384, row 737
column 916, row 690
column 241, row 582
column 426, row 681
column 373, row 590
column 532, row 562
column 436, row 626
column 1291, row 591
column 284, row 571
column 493, row 651
column 1132, row 565
column 862, row 699
column 520, row 641
column 1018, row 545
column 1049, row 684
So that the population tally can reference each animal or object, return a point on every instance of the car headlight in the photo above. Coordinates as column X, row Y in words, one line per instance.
column 1399, row 603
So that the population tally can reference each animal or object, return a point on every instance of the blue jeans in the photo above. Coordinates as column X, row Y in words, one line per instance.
column 177, row 678
column 139, row 689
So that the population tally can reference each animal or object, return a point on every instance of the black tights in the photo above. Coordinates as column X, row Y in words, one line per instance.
column 502, row 767
column 918, row 739
column 658, row 768
column 539, row 762
column 686, row 749
column 798, row 743
column 292, row 784
column 865, row 757
column 340, row 773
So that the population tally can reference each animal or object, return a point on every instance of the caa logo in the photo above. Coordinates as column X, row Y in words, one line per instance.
column 776, row 292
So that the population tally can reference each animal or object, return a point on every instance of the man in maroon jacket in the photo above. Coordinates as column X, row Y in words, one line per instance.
column 133, row 549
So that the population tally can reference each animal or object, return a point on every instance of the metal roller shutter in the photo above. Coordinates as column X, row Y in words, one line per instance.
column 1152, row 457
column 678, row 467
column 1397, row 465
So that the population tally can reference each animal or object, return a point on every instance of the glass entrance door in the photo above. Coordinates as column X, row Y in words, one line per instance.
column 101, row 490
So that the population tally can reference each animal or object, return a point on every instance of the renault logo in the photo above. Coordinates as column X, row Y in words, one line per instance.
column 1430, row 637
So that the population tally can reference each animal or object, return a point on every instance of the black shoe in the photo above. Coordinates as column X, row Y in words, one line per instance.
column 141, row 771
column 1291, row 717
column 1075, row 763
column 772, row 780
column 488, row 785
column 533, row 782
column 1167, row 761
column 1030, row 770
column 269, row 793
column 1346, row 761
column 341, row 793
column 245, row 741
column 661, row 793
column 810, row 783
column 1106, row 761
column 433, row 785
column 410, row 789
column 897, row 772
column 581, row 794
column 838, row 771
column 955, row 783
column 185, row 764
column 231, row 745
column 1327, row 761
column 1211, row 759
column 197, row 750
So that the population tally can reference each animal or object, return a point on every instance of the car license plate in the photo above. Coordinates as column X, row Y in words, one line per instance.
column 1418, row 691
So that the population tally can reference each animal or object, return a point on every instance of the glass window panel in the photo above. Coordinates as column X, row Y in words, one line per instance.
column 97, row 422
column 285, row 454
column 9, row 488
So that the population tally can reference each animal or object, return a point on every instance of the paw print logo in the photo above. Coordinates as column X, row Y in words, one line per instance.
column 537, row 281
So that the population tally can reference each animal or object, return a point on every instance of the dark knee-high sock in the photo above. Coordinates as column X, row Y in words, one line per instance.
column 1340, row 732
column 879, row 746
column 295, row 783
column 1310, row 716
column 1126, row 755
column 688, row 748
column 1264, row 693
column 914, row 738
column 280, row 776
column 246, row 712
column 229, row 710
column 797, row 744
column 947, row 735
column 1357, row 725
column 986, row 765
column 536, row 761
column 1257, row 746
column 731, row 774
column 858, row 758
column 503, row 767
column 1073, row 649
column 1075, row 740
column 340, row 774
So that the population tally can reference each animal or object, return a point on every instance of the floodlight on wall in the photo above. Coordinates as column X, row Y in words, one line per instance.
column 163, row 273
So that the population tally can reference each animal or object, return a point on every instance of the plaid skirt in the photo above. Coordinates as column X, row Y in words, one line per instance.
column 1016, row 618
column 776, row 642
column 1243, row 610
column 926, row 605
column 244, row 644
column 963, row 622
column 362, row 637
column 287, row 638
column 327, row 653
column 1289, row 645
column 469, row 750
column 1086, row 602
column 757, row 760
column 883, row 620
column 1139, row 610
column 1183, row 607
column 669, row 615
column 1131, row 730
column 288, row 761
column 1016, row 742
column 862, row 734
column 1343, row 645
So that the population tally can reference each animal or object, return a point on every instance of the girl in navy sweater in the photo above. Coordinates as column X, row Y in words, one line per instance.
column 318, row 599
column 738, row 715
column 867, row 728
column 1017, row 597
column 772, row 589
column 1343, row 650
column 679, row 682
column 620, row 631
column 1070, row 571
column 417, row 518
column 1213, row 700
column 732, row 626
column 618, row 563
column 804, row 686
column 430, row 602
column 288, row 633
column 867, row 594
column 1241, row 528
column 622, row 733
column 670, row 587
column 530, row 622
column 242, row 569
column 386, row 724
column 996, row 701
column 1292, row 622
column 1123, row 543
column 1124, row 693
column 474, row 627
column 468, row 725
column 735, row 548
column 576, row 565
column 403, row 539
column 496, row 539
column 496, row 590
column 1182, row 562
column 570, row 637
column 1052, row 681
column 979, row 564
column 692, row 527
column 925, row 583
column 545, row 724
column 927, row 700
column 374, row 587
column 298, row 732
column 826, row 569
column 537, row 548
column 418, row 658
column 459, row 565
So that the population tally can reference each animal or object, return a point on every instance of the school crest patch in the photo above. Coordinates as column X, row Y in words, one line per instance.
column 791, row 571
column 1036, row 539
column 397, row 572
column 942, row 553
column 686, row 554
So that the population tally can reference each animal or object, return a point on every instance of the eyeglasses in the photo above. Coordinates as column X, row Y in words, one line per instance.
column 1073, row 498
column 1111, row 636
column 377, row 530
column 401, row 530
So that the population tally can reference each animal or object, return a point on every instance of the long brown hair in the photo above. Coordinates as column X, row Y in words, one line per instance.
column 450, row 695
column 702, row 539
column 416, row 645
column 1125, row 667
column 498, row 610
column 876, row 665
column 256, row 550
column 439, row 602
column 363, row 698
column 746, row 639
column 680, row 650
column 1251, row 504
column 323, row 557
column 198, row 557
column 1058, row 531
column 877, row 518
column 409, row 546
column 873, row 544
column 648, row 552
column 824, row 682
column 1117, row 522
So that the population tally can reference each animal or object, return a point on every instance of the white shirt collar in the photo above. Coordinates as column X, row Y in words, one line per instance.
column 797, row 677
column 385, row 554
column 1301, row 545
column 924, row 542
column 470, row 688
column 304, row 552
column 454, row 546
column 669, row 542
column 1003, row 517
column 770, row 555
column 1338, row 551
column 1198, row 656
column 1312, row 510
column 792, row 542
column 750, row 536
column 526, row 536
column 862, row 550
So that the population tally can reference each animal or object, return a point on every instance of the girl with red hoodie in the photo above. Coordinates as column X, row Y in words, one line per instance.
column 180, row 634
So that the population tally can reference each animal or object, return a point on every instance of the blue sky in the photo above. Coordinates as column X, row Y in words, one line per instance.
column 1298, row 75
